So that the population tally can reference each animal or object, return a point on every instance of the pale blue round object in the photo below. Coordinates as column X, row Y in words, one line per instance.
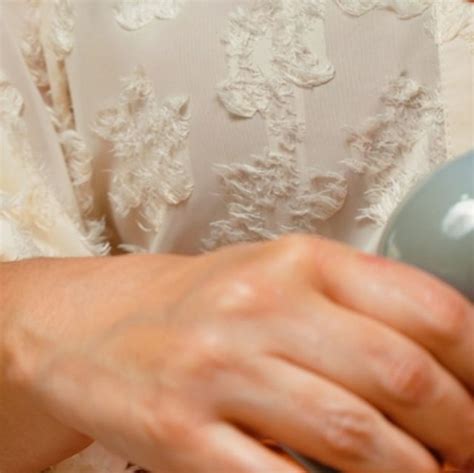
column 433, row 228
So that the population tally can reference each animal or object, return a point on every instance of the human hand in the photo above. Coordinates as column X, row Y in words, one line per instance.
column 180, row 363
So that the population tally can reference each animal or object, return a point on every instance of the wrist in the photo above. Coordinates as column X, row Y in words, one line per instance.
column 52, row 305
column 23, row 351
column 45, row 304
column 13, row 350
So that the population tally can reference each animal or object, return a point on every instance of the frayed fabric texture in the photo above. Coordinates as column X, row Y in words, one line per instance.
column 149, row 141
column 449, row 19
column 61, row 38
column 79, row 162
column 31, row 46
column 45, row 46
column 134, row 14
column 446, row 20
column 270, row 197
column 270, row 59
column 28, row 210
column 399, row 146
column 267, row 85
column 130, row 248
column 403, row 8
column 18, row 225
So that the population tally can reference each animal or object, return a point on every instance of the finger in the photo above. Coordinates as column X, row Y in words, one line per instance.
column 385, row 368
column 227, row 449
column 412, row 302
column 323, row 421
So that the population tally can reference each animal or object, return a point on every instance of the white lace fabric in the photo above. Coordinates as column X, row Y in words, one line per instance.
column 185, row 125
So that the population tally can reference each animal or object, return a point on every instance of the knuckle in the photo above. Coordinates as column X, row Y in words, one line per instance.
column 295, row 249
column 236, row 294
column 350, row 433
column 408, row 377
column 450, row 322
column 209, row 355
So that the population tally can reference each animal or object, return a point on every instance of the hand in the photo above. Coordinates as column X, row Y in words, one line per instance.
column 180, row 363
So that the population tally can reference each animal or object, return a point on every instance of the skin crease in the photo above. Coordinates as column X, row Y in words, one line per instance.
column 178, row 363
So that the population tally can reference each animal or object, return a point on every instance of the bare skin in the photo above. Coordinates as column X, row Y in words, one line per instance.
column 179, row 363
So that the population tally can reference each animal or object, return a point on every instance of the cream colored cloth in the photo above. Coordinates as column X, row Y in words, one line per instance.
column 185, row 125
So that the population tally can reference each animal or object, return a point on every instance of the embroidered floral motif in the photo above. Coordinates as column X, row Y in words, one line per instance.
column 270, row 197
column 134, row 14
column 61, row 36
column 403, row 8
column 131, row 248
column 58, row 33
column 16, row 244
column 30, row 208
column 447, row 20
column 35, row 207
column 267, row 55
column 269, row 60
column 19, row 220
column 57, row 102
column 149, row 142
column 450, row 18
column 79, row 162
column 399, row 146
column 467, row 34
column 29, row 211
column 31, row 46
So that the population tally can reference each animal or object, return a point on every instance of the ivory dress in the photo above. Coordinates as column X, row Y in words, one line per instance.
column 184, row 125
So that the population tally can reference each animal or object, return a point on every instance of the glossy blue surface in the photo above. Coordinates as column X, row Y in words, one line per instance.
column 433, row 229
